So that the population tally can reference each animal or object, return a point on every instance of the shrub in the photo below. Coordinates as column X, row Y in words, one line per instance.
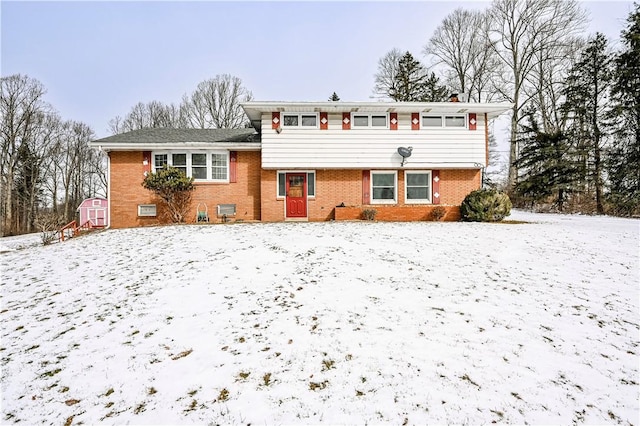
column 49, row 224
column 174, row 188
column 369, row 214
column 437, row 213
column 485, row 205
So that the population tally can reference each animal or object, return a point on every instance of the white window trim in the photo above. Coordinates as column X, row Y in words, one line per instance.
column 300, row 114
column 406, row 180
column 315, row 181
column 169, row 154
column 444, row 122
column 369, row 120
column 395, row 186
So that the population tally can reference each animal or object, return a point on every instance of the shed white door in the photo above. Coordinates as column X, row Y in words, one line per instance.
column 98, row 217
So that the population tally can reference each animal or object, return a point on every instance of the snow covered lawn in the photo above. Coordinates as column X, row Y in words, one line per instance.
column 336, row 322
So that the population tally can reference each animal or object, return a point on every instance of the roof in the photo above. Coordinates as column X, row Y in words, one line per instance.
column 255, row 109
column 164, row 138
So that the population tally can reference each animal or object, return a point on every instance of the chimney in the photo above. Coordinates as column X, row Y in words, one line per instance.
column 454, row 98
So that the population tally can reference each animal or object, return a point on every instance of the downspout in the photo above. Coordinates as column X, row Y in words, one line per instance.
column 108, row 187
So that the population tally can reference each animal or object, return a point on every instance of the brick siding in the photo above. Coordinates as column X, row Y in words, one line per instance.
column 335, row 187
column 127, row 174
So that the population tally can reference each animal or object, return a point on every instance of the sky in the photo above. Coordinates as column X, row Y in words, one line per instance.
column 98, row 59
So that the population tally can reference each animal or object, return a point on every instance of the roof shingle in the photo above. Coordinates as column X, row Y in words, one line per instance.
column 168, row 135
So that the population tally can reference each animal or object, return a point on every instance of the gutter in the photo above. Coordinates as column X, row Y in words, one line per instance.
column 232, row 146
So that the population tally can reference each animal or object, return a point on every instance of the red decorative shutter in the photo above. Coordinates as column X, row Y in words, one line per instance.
column 393, row 121
column 435, row 178
column 146, row 162
column 472, row 121
column 346, row 121
column 366, row 187
column 415, row 121
column 233, row 166
column 324, row 121
column 275, row 120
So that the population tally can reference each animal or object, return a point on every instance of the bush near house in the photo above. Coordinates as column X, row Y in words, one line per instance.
column 485, row 205
column 174, row 188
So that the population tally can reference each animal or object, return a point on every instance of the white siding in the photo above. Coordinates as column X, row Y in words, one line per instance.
column 372, row 148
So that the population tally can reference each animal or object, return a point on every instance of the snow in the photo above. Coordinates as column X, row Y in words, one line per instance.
column 332, row 323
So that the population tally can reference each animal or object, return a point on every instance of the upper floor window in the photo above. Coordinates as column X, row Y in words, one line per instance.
column 431, row 120
column 309, row 120
column 201, row 165
column 369, row 120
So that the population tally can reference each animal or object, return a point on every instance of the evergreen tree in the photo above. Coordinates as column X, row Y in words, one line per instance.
column 413, row 83
column 410, row 81
column 434, row 91
column 586, row 91
column 623, row 161
column 334, row 97
column 547, row 166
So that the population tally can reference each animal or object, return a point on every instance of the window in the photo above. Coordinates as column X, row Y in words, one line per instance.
column 311, row 184
column 300, row 120
column 454, row 121
column 160, row 160
column 383, row 187
column 431, row 120
column 179, row 161
column 379, row 120
column 201, row 165
column 418, row 187
column 369, row 120
column 309, row 121
column 360, row 120
column 219, row 167
column 147, row 210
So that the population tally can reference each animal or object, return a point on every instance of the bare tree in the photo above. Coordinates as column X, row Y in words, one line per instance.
column 149, row 115
column 547, row 79
column 521, row 31
column 34, row 161
column 461, row 43
column 216, row 103
column 387, row 76
column 21, row 101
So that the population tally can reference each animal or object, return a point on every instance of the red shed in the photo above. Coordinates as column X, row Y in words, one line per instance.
column 95, row 210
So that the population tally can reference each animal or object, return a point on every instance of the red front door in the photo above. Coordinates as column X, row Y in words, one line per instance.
column 296, row 200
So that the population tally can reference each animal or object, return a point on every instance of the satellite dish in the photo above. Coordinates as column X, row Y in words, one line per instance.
column 404, row 153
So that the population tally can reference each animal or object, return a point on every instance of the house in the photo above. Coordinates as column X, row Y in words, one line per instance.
column 311, row 161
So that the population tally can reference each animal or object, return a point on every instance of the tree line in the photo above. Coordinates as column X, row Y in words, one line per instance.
column 575, row 122
column 214, row 104
column 47, row 167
